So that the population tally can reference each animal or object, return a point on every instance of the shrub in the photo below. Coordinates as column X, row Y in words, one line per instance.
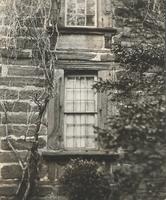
column 83, row 180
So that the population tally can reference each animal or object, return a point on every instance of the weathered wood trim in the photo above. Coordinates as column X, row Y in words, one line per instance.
column 85, row 56
column 67, row 155
column 56, row 112
column 84, row 30
column 78, row 65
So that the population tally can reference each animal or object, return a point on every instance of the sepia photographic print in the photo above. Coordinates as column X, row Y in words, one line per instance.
column 82, row 100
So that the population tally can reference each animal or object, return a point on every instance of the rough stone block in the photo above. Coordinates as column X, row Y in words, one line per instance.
column 29, row 93
column 7, row 190
column 9, row 156
column 19, row 61
column 21, row 144
column 16, row 107
column 8, row 94
column 15, row 53
column 20, row 118
column 24, row 71
column 21, row 130
column 22, row 81
column 11, row 172
column 81, row 42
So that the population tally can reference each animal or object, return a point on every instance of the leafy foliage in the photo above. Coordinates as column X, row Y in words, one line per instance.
column 139, row 127
column 83, row 180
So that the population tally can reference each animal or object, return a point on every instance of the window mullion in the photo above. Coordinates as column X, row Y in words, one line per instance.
column 85, row 12
column 76, row 11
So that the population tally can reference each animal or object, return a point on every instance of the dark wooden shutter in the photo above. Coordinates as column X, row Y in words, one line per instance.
column 106, row 107
column 56, row 112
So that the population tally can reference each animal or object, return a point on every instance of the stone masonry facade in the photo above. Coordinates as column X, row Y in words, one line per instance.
column 21, row 78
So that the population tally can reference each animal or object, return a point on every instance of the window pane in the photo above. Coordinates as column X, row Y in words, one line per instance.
column 79, row 95
column 71, row 20
column 70, row 82
column 90, row 82
column 90, row 20
column 80, row 20
column 80, row 99
column 81, row 7
column 69, row 95
column 80, row 129
column 83, row 82
column 71, row 12
column 81, row 12
column 78, row 82
column 90, row 7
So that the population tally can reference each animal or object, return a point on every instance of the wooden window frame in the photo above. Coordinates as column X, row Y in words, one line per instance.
column 96, row 13
column 95, row 113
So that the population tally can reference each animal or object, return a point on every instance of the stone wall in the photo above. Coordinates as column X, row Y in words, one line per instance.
column 21, row 78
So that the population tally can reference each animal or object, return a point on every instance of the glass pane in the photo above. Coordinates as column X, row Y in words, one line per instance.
column 90, row 119
column 70, row 82
column 82, row 133
column 78, row 82
column 69, row 143
column 82, row 142
column 90, row 7
column 81, row 7
column 90, row 142
column 90, row 20
column 71, row 12
column 79, row 131
column 90, row 106
column 71, row 20
column 90, row 94
column 84, row 94
column 70, row 130
column 77, row 94
column 80, row 20
column 90, row 130
column 69, row 95
column 83, row 82
column 69, row 106
column 90, row 81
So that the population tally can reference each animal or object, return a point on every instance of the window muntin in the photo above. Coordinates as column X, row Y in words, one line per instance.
column 80, row 112
column 81, row 13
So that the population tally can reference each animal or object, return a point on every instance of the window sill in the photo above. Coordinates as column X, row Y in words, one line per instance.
column 67, row 155
column 86, row 30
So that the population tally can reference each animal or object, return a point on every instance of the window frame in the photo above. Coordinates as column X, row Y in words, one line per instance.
column 95, row 113
column 96, row 13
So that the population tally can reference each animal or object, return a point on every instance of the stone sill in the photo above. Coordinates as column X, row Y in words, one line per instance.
column 67, row 155
column 86, row 30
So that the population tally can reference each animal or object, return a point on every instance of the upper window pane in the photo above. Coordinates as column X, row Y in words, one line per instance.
column 79, row 95
column 81, row 13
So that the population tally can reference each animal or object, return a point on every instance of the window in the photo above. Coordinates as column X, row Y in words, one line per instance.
column 80, row 112
column 81, row 13
column 75, row 109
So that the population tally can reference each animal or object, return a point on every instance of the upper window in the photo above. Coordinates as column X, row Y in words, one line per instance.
column 81, row 13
